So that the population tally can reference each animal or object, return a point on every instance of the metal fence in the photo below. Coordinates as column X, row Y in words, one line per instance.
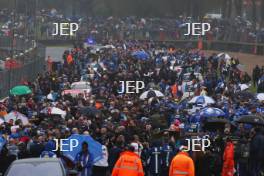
column 28, row 72
column 168, row 37
column 19, row 44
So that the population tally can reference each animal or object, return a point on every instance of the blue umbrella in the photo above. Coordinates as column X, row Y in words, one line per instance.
column 142, row 55
column 202, row 100
column 211, row 112
column 261, row 79
column 95, row 148
column 2, row 143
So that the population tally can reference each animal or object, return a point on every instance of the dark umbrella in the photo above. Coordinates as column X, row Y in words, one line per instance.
column 214, row 123
column 89, row 111
column 251, row 119
column 244, row 95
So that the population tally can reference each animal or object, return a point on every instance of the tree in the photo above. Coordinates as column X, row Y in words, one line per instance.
column 254, row 13
column 238, row 5
column 224, row 8
column 262, row 14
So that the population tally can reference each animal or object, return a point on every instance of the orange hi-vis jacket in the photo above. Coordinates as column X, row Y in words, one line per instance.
column 182, row 165
column 128, row 164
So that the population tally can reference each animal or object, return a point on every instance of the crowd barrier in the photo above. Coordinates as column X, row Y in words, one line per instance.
column 19, row 43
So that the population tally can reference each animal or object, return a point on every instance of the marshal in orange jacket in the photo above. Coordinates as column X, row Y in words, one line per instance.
column 128, row 164
column 182, row 165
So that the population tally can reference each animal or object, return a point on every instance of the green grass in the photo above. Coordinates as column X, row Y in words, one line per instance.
column 252, row 88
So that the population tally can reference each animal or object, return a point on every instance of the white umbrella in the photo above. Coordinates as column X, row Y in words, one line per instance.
column 211, row 112
column 50, row 97
column 14, row 115
column 260, row 96
column 54, row 111
column 243, row 86
column 151, row 93
column 205, row 100
column 109, row 46
column 224, row 56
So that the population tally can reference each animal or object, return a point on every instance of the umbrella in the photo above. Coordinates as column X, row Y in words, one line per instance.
column 244, row 95
column 51, row 96
column 224, row 56
column 211, row 112
column 243, row 86
column 151, row 93
column 20, row 90
column 14, row 115
column 251, row 119
column 215, row 123
column 241, row 67
column 260, row 96
column 54, row 111
column 95, row 148
column 202, row 100
column 88, row 110
column 142, row 55
column 109, row 46
column 261, row 79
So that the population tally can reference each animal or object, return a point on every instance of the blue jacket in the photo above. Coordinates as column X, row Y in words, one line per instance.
column 155, row 160
column 86, row 162
column 167, row 155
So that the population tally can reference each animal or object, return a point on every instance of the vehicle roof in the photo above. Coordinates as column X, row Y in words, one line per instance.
column 32, row 160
